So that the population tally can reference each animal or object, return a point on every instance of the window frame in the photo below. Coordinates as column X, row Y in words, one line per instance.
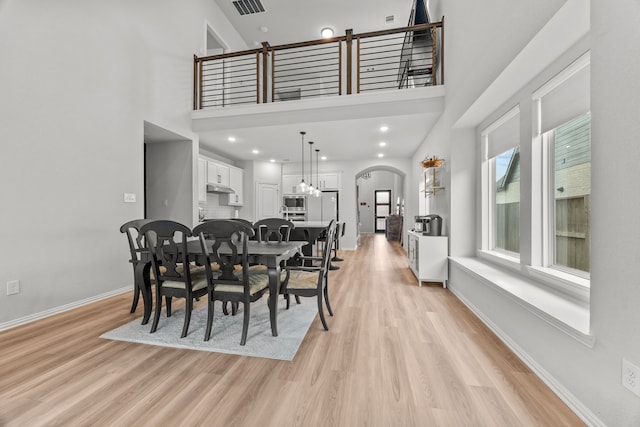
column 488, row 195
column 543, row 261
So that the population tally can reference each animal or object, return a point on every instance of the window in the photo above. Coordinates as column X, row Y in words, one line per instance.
column 501, row 185
column 570, row 190
column 564, row 129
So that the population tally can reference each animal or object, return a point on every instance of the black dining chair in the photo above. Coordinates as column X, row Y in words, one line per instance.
column 273, row 229
column 224, row 244
column 176, row 275
column 312, row 281
column 139, row 254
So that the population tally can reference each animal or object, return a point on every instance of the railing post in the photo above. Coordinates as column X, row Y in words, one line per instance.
column 442, row 52
column 265, row 74
column 257, row 77
column 339, row 68
column 195, row 82
column 349, row 60
column 434, row 55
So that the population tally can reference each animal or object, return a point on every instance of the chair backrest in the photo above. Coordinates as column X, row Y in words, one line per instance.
column 273, row 229
column 224, row 242
column 135, row 238
column 246, row 223
column 326, row 252
column 167, row 242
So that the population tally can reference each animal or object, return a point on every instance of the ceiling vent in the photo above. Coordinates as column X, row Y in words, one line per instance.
column 389, row 19
column 248, row 7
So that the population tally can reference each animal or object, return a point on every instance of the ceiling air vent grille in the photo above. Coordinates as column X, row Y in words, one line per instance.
column 248, row 7
column 389, row 19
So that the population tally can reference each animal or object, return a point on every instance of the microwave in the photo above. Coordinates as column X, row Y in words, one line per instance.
column 294, row 203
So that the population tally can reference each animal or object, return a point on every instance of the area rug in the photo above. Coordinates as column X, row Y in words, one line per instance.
column 293, row 325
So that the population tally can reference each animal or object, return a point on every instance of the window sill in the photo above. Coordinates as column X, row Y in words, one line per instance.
column 559, row 310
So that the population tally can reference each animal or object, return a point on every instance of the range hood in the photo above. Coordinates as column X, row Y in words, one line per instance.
column 219, row 189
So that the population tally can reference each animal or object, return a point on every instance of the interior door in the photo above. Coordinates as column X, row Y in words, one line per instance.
column 267, row 201
column 382, row 206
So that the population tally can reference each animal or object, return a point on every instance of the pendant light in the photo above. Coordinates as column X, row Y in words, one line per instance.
column 302, row 187
column 311, row 189
column 317, row 192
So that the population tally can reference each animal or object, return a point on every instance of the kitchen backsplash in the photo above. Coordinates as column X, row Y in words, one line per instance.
column 212, row 208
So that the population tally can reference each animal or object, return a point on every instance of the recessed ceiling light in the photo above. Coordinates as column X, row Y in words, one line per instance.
column 384, row 128
column 272, row 160
column 327, row 32
column 383, row 144
column 255, row 151
column 323, row 158
column 264, row 29
column 231, row 139
column 380, row 155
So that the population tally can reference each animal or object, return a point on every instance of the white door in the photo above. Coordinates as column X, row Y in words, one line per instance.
column 267, row 201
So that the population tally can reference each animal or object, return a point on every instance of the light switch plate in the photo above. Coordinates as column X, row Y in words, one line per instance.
column 13, row 287
column 129, row 197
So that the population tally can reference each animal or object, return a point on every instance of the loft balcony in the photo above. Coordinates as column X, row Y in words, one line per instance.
column 392, row 60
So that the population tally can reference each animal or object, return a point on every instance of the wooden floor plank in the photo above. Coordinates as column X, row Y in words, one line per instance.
column 395, row 354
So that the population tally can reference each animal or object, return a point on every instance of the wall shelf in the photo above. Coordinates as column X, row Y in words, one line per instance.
column 433, row 180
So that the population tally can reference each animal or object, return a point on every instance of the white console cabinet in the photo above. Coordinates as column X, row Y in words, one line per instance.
column 428, row 257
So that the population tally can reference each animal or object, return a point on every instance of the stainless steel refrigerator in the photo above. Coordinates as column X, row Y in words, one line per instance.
column 323, row 208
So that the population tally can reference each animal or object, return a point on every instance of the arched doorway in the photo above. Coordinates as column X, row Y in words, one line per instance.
column 380, row 191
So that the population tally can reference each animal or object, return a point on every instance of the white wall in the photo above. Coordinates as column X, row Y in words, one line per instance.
column 78, row 80
column 588, row 378
column 169, row 176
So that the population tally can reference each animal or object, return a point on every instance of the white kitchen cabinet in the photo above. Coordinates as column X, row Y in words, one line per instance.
column 217, row 173
column 428, row 258
column 289, row 183
column 329, row 181
column 202, row 180
column 236, row 181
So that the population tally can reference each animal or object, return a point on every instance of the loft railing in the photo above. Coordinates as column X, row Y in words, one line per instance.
column 399, row 58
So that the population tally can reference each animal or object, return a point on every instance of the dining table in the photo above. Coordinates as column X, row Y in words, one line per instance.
column 312, row 230
column 270, row 254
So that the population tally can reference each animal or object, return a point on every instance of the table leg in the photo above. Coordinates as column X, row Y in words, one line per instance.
column 274, row 292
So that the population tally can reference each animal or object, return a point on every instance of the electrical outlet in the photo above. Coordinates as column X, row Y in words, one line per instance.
column 631, row 376
column 13, row 287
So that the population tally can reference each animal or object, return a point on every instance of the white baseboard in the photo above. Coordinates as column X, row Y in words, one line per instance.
column 41, row 315
column 565, row 395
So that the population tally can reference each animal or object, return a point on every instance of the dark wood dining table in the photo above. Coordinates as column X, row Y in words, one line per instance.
column 270, row 254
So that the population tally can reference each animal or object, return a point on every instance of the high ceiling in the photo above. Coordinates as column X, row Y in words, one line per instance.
column 346, row 135
column 288, row 21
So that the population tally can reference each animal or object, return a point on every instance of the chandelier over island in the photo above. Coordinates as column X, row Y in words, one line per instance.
column 302, row 187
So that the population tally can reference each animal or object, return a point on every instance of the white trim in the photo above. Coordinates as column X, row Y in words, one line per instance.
column 567, row 315
column 565, row 395
column 501, row 258
column 564, row 75
column 501, row 120
column 56, row 310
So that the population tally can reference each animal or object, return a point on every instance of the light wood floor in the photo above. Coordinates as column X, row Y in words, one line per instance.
column 395, row 355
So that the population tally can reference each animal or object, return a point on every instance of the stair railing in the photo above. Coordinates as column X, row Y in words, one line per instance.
column 393, row 59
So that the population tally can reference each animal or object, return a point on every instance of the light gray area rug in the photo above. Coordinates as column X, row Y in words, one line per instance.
column 293, row 325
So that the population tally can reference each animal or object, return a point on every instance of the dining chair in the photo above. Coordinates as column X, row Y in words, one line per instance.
column 224, row 243
column 280, row 230
column 176, row 275
column 339, row 235
column 137, row 249
column 273, row 229
column 312, row 281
